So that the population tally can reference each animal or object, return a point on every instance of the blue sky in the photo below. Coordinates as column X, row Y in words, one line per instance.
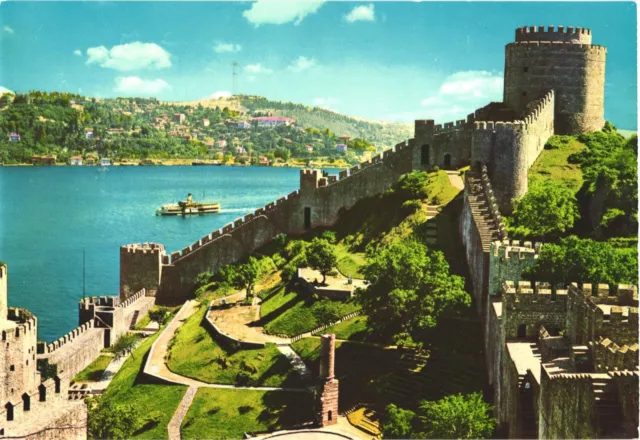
column 381, row 60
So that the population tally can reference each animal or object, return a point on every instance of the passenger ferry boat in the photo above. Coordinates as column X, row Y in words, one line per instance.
column 189, row 207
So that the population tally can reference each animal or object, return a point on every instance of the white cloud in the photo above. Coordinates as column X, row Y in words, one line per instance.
column 302, row 63
column 4, row 90
column 462, row 93
column 219, row 94
column 130, row 56
column 227, row 47
column 133, row 85
column 251, row 78
column 77, row 52
column 328, row 102
column 280, row 12
column 257, row 68
column 361, row 13
column 8, row 29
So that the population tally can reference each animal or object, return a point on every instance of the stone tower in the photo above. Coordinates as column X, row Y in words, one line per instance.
column 328, row 399
column 561, row 59
column 18, row 336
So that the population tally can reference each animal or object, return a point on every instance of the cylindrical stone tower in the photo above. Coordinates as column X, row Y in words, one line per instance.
column 564, row 60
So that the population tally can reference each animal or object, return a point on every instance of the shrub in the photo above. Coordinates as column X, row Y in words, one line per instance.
column 330, row 236
column 411, row 206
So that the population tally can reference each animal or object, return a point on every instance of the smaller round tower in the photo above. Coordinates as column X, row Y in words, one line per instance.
column 562, row 59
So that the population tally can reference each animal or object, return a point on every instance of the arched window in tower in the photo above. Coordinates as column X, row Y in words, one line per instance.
column 424, row 158
column 56, row 379
column 9, row 408
column 330, row 415
column 26, row 402
column 447, row 160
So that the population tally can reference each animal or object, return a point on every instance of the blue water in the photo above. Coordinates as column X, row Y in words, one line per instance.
column 48, row 215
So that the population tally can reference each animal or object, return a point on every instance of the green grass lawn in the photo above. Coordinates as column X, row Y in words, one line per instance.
column 94, row 370
column 275, row 300
column 439, row 188
column 194, row 353
column 552, row 165
column 354, row 329
column 307, row 314
column 219, row 413
column 349, row 263
column 154, row 401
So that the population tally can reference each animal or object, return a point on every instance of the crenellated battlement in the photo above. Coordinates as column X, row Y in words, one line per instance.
column 526, row 292
column 44, row 348
column 449, row 127
column 99, row 301
column 493, row 204
column 611, row 356
column 536, row 108
column 507, row 249
column 144, row 248
column 553, row 33
column 25, row 323
column 500, row 126
column 133, row 298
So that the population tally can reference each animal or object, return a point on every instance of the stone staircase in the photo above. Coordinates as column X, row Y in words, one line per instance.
column 528, row 424
column 608, row 411
column 134, row 320
column 480, row 211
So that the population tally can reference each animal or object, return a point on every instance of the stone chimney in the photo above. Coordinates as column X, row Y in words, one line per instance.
column 328, row 396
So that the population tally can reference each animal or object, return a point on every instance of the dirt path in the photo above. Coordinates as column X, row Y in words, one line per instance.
column 455, row 179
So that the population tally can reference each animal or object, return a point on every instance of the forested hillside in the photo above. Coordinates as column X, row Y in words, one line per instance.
column 67, row 125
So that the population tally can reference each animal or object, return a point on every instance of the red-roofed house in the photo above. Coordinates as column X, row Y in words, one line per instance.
column 14, row 137
column 76, row 160
column 309, row 148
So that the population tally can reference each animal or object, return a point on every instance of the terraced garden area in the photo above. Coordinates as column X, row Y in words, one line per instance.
column 218, row 413
column 287, row 311
column 553, row 164
column 194, row 353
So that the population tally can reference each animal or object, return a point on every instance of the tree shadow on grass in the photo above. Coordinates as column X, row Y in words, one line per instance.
column 285, row 409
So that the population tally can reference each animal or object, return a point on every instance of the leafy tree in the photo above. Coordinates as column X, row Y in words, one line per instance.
column 410, row 287
column 246, row 275
column 124, row 345
column 413, row 185
column 397, row 422
column 108, row 419
column 456, row 416
column 546, row 211
column 160, row 314
column 321, row 256
column 584, row 260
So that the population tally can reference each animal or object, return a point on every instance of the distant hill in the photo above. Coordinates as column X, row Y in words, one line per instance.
column 381, row 134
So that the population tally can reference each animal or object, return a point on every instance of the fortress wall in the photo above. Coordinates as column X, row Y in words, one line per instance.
column 608, row 356
column 575, row 71
column 493, row 344
column 508, row 260
column 324, row 197
column 452, row 138
column 18, row 354
column 73, row 352
column 532, row 307
column 140, row 267
column 567, row 407
column 135, row 308
column 626, row 386
column 552, row 33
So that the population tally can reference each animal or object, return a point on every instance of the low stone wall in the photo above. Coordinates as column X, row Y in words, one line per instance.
column 219, row 336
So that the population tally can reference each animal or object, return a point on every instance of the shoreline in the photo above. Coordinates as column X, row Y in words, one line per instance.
column 188, row 163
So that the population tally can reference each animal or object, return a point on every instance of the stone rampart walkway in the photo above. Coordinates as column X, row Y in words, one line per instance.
column 455, row 179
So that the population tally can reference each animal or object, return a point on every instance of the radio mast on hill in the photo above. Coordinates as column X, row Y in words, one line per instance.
column 234, row 75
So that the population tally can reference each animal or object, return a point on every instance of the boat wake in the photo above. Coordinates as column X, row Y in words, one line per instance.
column 242, row 210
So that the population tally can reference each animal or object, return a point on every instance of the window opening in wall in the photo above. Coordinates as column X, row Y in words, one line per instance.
column 526, row 69
column 330, row 416
column 522, row 331
column 424, row 158
column 12, row 368
column 447, row 160
column 26, row 402
column 307, row 217
column 42, row 391
column 9, row 408
column 57, row 381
